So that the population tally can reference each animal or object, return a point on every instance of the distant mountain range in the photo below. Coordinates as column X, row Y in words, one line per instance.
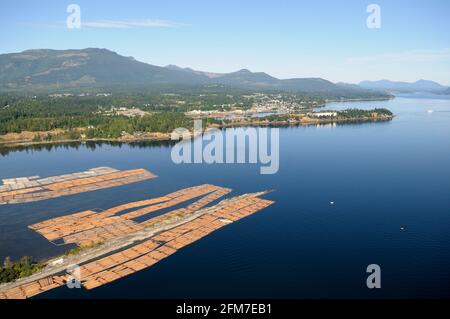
column 53, row 70
column 406, row 87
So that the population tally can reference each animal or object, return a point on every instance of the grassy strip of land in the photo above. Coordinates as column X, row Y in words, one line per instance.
column 79, row 249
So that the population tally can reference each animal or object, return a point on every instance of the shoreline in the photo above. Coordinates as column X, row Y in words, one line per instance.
column 160, row 137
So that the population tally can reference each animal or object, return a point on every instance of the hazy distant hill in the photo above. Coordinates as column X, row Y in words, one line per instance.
column 208, row 74
column 313, row 85
column 419, row 86
column 101, row 68
column 261, row 80
column 446, row 92
column 248, row 79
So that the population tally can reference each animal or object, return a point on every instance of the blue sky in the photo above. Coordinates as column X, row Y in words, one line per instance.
column 320, row 38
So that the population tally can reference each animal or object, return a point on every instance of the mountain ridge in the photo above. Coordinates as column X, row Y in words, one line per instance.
column 404, row 87
column 50, row 70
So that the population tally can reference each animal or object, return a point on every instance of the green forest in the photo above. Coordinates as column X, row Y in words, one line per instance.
column 24, row 267
column 90, row 115
column 19, row 114
column 355, row 113
column 165, row 111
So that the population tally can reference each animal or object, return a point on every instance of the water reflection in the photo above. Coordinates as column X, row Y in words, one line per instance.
column 90, row 145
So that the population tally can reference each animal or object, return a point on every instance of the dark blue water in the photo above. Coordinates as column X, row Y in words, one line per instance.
column 381, row 176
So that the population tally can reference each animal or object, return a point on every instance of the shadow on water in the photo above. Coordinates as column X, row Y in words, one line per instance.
column 90, row 145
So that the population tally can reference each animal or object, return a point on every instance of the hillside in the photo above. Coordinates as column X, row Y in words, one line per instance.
column 57, row 70
column 52, row 69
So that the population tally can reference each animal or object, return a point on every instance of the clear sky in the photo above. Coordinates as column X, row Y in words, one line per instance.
column 320, row 38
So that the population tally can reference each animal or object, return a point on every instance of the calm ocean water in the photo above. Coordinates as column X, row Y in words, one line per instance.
column 381, row 176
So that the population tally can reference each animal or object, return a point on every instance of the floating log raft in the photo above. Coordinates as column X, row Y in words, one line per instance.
column 34, row 288
column 196, row 223
column 163, row 245
column 88, row 227
column 31, row 189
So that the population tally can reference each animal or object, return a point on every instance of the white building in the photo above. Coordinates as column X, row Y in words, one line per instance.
column 323, row 114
